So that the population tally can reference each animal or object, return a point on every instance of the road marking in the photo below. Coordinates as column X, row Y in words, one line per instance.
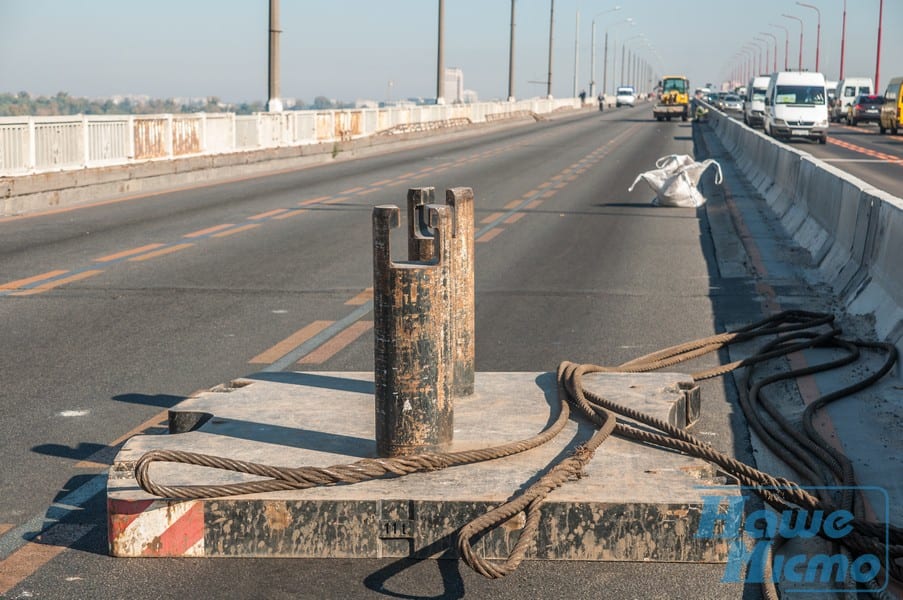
column 209, row 230
column 890, row 158
column 99, row 458
column 296, row 339
column 160, row 252
column 291, row 213
column 319, row 339
column 127, row 253
column 353, row 190
column 549, row 194
column 268, row 214
column 34, row 555
column 229, row 232
column 489, row 235
column 58, row 282
column 361, row 298
column 493, row 217
column 316, row 200
column 4, row 527
column 513, row 204
column 515, row 218
column 20, row 283
column 336, row 344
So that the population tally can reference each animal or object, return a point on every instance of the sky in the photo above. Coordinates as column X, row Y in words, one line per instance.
column 366, row 49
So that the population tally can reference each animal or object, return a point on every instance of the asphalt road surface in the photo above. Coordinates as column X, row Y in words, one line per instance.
column 111, row 314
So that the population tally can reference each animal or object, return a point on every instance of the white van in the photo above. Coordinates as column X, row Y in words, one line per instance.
column 754, row 105
column 847, row 90
column 796, row 105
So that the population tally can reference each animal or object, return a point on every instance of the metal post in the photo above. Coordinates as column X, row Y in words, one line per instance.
column 414, row 410
column 878, row 52
column 576, row 51
column 605, row 67
column 460, row 279
column 592, row 62
column 440, row 61
column 551, row 43
column 274, row 103
column 511, row 58
column 843, row 37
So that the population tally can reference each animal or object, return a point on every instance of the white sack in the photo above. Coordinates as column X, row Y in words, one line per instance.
column 674, row 180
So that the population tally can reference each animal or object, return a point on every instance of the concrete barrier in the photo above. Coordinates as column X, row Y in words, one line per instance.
column 853, row 232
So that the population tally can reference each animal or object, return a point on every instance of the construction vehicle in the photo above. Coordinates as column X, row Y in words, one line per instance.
column 673, row 98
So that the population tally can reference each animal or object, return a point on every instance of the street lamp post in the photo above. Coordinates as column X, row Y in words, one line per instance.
column 605, row 54
column 817, row 34
column 878, row 52
column 551, row 45
column 763, row 66
column 592, row 54
column 624, row 53
column 440, row 58
column 801, row 37
column 786, row 43
column 843, row 37
column 511, row 58
column 775, row 59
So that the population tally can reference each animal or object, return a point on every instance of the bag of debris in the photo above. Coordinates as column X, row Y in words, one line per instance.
column 675, row 178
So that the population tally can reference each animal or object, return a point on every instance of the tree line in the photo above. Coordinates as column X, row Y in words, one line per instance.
column 24, row 104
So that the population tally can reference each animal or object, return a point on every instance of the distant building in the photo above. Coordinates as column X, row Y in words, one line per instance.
column 469, row 97
column 454, row 85
column 366, row 104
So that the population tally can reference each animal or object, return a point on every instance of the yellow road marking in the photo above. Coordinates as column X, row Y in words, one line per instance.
column 161, row 252
column 492, row 217
column 236, row 230
column 337, row 343
column 58, row 282
column 489, row 234
column 209, row 230
column 291, row 213
column 316, row 200
column 361, row 298
column 269, row 213
column 515, row 218
column 14, row 285
column 127, row 253
column 273, row 354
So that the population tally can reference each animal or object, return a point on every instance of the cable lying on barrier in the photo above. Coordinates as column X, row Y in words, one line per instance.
column 807, row 453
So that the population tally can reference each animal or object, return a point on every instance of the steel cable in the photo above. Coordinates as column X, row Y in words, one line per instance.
column 808, row 454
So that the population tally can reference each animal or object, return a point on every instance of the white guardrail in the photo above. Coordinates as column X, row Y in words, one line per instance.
column 45, row 144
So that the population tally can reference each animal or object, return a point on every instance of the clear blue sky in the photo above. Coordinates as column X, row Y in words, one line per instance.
column 350, row 49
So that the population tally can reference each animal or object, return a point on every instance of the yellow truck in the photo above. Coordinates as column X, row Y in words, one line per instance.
column 673, row 99
column 892, row 109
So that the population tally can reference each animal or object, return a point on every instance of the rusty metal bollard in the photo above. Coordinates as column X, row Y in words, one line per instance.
column 414, row 410
column 460, row 274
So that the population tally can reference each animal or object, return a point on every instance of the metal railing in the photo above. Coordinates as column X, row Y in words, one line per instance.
column 45, row 144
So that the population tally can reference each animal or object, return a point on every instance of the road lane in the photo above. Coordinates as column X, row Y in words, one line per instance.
column 578, row 269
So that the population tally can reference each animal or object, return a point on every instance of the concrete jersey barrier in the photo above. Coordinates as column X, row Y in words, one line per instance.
column 853, row 231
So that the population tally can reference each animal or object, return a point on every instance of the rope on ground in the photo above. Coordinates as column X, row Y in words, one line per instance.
column 807, row 453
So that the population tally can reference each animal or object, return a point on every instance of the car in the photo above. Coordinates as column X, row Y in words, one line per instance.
column 866, row 107
column 732, row 103
column 625, row 96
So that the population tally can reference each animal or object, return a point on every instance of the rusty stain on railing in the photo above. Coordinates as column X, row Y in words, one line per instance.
column 186, row 135
column 151, row 137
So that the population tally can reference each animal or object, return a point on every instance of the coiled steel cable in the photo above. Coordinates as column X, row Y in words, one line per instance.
column 809, row 455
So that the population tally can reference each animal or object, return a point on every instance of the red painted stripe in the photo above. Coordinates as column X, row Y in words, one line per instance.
column 181, row 535
column 123, row 513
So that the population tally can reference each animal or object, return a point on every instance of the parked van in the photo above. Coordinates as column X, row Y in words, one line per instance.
column 892, row 109
column 754, row 105
column 847, row 90
column 796, row 105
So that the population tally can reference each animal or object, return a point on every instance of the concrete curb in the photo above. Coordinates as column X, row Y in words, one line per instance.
column 853, row 231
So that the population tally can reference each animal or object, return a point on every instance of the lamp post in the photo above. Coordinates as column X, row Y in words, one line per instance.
column 605, row 55
column 878, row 52
column 763, row 66
column 817, row 33
column 801, row 37
column 551, row 45
column 624, row 53
column 786, row 43
column 843, row 37
column 511, row 58
column 775, row 59
column 440, row 59
column 592, row 53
